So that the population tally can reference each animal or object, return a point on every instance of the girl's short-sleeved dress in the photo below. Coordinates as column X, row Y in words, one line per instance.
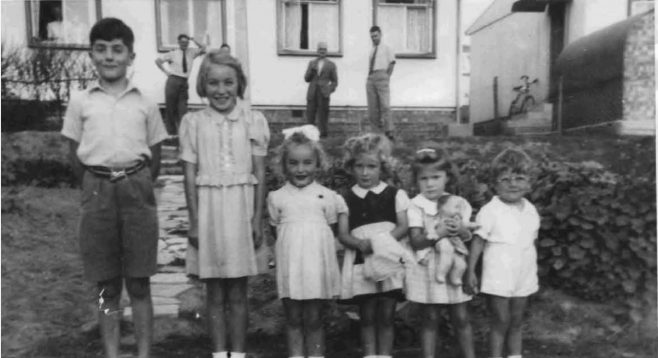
column 421, row 283
column 306, row 263
column 222, row 147
column 371, row 211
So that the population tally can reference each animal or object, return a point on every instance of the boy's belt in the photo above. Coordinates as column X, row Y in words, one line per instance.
column 115, row 174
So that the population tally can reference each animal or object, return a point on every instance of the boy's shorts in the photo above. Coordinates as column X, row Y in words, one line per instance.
column 118, row 227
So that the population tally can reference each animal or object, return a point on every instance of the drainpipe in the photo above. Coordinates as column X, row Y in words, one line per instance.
column 458, row 76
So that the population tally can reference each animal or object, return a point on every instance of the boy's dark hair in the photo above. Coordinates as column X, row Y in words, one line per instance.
column 111, row 28
column 225, row 45
column 512, row 160
column 430, row 154
column 215, row 57
column 182, row 36
column 375, row 28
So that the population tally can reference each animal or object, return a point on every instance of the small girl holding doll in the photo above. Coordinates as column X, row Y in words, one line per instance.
column 375, row 209
column 223, row 148
column 433, row 172
column 303, row 213
column 506, row 239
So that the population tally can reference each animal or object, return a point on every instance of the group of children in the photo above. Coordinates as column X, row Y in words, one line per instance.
column 395, row 249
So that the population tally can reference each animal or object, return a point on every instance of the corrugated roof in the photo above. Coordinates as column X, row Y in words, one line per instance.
column 497, row 10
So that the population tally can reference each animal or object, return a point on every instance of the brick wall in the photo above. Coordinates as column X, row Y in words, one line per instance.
column 347, row 121
column 639, row 71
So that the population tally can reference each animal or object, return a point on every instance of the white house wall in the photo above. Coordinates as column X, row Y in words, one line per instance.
column 587, row 16
column 514, row 46
column 278, row 80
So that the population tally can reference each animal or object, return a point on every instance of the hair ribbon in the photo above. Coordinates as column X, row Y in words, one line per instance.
column 308, row 130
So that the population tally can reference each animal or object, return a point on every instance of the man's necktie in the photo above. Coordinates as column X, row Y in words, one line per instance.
column 372, row 60
column 184, row 63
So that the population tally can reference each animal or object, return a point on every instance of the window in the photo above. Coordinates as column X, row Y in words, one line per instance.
column 61, row 23
column 408, row 26
column 304, row 23
column 202, row 19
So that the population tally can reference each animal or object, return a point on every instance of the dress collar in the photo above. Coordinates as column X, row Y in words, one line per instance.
column 234, row 115
column 377, row 189
column 428, row 206
column 524, row 207
column 96, row 86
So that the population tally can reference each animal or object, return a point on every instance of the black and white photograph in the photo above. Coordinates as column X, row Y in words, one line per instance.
column 328, row 178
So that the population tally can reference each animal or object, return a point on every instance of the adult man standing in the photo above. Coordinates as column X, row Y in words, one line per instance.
column 322, row 82
column 180, row 63
column 380, row 68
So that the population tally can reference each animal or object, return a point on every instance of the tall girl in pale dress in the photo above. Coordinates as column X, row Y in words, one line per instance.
column 432, row 172
column 304, row 213
column 223, row 147
column 374, row 208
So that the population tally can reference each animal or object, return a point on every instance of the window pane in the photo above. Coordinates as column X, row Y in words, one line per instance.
column 323, row 26
column 174, row 19
column 62, row 22
column 418, row 29
column 208, row 22
column 292, row 17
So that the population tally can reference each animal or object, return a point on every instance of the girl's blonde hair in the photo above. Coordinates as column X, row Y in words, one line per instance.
column 513, row 160
column 215, row 57
column 369, row 143
column 296, row 139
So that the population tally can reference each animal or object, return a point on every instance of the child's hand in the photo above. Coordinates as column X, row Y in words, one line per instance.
column 257, row 228
column 365, row 247
column 193, row 236
column 471, row 286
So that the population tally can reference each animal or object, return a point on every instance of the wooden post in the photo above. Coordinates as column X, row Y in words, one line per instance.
column 560, row 101
column 495, row 97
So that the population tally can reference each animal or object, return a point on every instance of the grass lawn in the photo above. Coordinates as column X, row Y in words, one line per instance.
column 46, row 303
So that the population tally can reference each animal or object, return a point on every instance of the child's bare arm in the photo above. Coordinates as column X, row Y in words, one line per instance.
column 402, row 226
column 189, row 170
column 348, row 240
column 477, row 246
column 418, row 239
column 156, row 151
column 76, row 165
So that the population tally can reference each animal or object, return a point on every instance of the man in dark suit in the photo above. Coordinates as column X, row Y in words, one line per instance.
column 323, row 80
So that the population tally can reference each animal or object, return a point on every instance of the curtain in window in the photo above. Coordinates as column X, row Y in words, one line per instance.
column 323, row 25
column 391, row 19
column 174, row 19
column 292, row 15
column 418, row 29
column 77, row 15
column 213, row 25
column 34, row 7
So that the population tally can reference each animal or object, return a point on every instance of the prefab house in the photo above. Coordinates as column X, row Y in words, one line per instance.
column 275, row 39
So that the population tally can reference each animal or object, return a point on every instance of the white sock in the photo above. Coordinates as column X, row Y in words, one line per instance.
column 220, row 355
column 315, row 356
column 238, row 355
column 370, row 356
column 297, row 357
column 515, row 356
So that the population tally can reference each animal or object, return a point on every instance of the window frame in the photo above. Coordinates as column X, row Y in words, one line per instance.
column 158, row 26
column 417, row 55
column 60, row 46
column 282, row 51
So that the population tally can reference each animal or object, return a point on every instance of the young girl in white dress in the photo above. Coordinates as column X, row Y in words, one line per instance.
column 223, row 147
column 432, row 172
column 304, row 213
column 374, row 208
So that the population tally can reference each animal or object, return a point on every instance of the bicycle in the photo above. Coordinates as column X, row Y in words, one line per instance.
column 524, row 100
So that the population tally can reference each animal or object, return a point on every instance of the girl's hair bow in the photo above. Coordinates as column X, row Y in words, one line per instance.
column 308, row 130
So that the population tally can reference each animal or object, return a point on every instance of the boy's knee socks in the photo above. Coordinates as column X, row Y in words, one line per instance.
column 238, row 355
column 220, row 355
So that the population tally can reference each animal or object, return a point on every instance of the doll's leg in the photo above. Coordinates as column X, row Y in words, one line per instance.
column 458, row 268
column 445, row 255
column 294, row 326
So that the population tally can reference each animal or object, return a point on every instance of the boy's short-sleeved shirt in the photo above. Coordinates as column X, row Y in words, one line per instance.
column 113, row 131
column 502, row 223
